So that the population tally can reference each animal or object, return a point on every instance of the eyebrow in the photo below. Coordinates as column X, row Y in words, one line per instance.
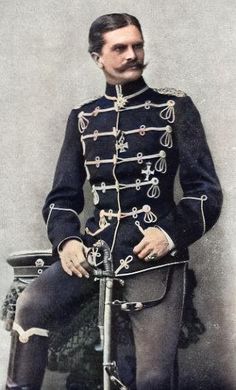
column 123, row 45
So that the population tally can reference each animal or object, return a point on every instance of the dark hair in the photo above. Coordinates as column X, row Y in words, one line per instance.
column 107, row 23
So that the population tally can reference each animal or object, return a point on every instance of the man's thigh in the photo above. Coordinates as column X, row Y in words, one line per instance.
column 52, row 295
column 156, row 329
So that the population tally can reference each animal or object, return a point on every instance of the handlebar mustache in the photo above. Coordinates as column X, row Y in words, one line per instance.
column 129, row 65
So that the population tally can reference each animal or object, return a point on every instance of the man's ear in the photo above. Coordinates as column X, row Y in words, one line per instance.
column 97, row 59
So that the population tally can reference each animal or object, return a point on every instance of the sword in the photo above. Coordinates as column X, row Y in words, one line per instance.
column 106, row 278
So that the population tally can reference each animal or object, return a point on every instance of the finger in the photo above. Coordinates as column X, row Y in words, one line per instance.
column 66, row 268
column 69, row 267
column 85, row 264
column 140, row 246
column 79, row 264
column 151, row 257
column 74, row 270
column 83, row 271
column 145, row 252
column 76, row 261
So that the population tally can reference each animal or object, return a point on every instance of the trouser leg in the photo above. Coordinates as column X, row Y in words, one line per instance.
column 175, row 374
column 27, row 362
column 51, row 296
column 156, row 329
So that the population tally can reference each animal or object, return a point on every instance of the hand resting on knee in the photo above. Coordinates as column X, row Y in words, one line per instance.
column 73, row 258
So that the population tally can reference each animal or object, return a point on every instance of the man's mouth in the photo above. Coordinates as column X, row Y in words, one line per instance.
column 134, row 67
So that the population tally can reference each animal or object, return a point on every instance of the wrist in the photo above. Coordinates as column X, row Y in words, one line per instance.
column 67, row 240
column 171, row 244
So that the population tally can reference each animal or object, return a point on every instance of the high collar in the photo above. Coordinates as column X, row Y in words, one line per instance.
column 125, row 89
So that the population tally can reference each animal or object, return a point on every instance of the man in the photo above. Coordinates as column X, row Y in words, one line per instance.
column 129, row 144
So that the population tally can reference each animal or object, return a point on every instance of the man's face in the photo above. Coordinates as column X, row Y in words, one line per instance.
column 122, row 55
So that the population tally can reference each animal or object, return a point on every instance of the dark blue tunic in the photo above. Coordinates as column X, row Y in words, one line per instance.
column 129, row 144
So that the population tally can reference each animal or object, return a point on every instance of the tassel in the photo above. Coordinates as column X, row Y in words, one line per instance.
column 161, row 165
column 103, row 222
column 83, row 122
column 95, row 196
column 154, row 190
column 149, row 216
column 168, row 113
column 166, row 138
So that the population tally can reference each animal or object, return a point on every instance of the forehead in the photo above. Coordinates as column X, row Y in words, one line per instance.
column 124, row 35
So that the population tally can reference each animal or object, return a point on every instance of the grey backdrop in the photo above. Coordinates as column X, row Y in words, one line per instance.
column 45, row 71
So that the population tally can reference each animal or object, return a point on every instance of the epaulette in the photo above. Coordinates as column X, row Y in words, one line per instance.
column 170, row 91
column 87, row 102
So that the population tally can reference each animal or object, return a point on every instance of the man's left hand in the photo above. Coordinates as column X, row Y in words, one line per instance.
column 153, row 246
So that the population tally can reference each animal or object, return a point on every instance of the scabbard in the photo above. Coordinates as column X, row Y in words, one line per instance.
column 102, row 290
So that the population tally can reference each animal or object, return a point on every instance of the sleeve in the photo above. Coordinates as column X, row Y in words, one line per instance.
column 65, row 201
column 200, row 206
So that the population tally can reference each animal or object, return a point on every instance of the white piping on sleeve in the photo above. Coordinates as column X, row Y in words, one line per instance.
column 202, row 199
column 49, row 214
column 52, row 207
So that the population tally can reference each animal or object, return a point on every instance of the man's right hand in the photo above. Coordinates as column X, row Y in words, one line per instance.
column 72, row 255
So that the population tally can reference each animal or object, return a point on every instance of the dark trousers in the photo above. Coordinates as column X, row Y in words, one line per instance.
column 155, row 329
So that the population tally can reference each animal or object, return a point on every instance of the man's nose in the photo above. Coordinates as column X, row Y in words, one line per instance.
column 131, row 54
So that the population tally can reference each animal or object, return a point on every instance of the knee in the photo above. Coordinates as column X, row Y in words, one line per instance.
column 29, row 310
column 154, row 380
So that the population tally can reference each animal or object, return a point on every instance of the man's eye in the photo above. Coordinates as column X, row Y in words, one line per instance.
column 138, row 46
column 119, row 49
